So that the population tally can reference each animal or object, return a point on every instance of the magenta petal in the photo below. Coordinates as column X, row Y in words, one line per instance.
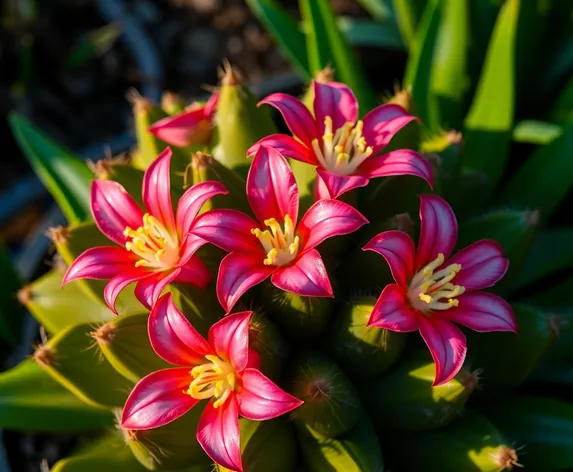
column 101, row 263
column 438, row 232
column 271, row 187
column 118, row 283
column 181, row 129
column 157, row 190
column 192, row 201
column 211, row 105
column 172, row 336
column 399, row 251
column 482, row 264
column 382, row 123
column 229, row 230
column 339, row 184
column 483, row 312
column 260, row 399
column 399, row 162
column 230, row 339
column 194, row 272
column 238, row 273
column 113, row 210
column 306, row 277
column 296, row 115
column 158, row 399
column 287, row 146
column 392, row 311
column 219, row 435
column 148, row 290
column 447, row 345
column 328, row 218
column 335, row 100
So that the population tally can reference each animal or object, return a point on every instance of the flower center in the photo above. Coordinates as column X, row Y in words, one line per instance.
column 431, row 290
column 212, row 379
column 281, row 246
column 343, row 151
column 156, row 246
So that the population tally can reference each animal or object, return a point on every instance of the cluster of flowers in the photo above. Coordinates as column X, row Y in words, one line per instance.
column 433, row 289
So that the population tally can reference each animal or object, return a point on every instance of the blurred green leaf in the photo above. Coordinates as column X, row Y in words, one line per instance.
column 544, row 180
column 10, row 309
column 562, row 110
column 93, row 44
column 66, row 176
column 558, row 295
column 108, row 453
column 419, row 67
column 285, row 31
column 377, row 9
column 56, row 307
column 552, row 251
column 449, row 80
column 31, row 400
column 560, row 63
column 73, row 358
column 365, row 32
column 408, row 16
column 536, row 132
column 327, row 46
column 489, row 121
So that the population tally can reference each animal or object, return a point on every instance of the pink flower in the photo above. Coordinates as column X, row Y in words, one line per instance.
column 345, row 150
column 434, row 290
column 275, row 245
column 155, row 249
column 216, row 369
column 192, row 126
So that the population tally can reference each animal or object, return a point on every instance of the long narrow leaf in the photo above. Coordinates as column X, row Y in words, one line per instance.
column 65, row 175
column 10, row 310
column 378, row 9
column 408, row 16
column 365, row 32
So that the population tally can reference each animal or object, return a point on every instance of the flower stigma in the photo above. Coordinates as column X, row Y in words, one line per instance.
column 153, row 243
column 281, row 246
column 344, row 150
column 215, row 378
column 431, row 290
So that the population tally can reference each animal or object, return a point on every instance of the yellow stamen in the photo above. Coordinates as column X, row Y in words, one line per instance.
column 431, row 290
column 215, row 378
column 153, row 243
column 280, row 245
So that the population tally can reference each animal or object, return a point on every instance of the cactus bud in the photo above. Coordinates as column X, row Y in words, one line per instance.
column 172, row 103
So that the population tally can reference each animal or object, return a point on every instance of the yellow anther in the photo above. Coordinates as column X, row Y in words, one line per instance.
column 215, row 378
column 281, row 246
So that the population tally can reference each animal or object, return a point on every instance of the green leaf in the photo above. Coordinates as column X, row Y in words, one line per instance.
column 546, row 178
column 552, row 251
column 489, row 122
column 73, row 358
column 377, row 9
column 95, row 43
column 109, row 453
column 365, row 32
column 56, row 307
column 449, row 80
column 285, row 31
column 327, row 46
column 31, row 400
column 419, row 67
column 10, row 311
column 562, row 111
column 408, row 16
column 65, row 175
column 536, row 132
column 558, row 295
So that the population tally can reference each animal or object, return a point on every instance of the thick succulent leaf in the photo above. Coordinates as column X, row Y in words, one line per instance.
column 489, row 122
column 536, row 132
column 546, row 178
column 66, row 176
column 56, row 307
column 284, row 30
column 148, row 146
column 10, row 312
column 73, row 358
column 31, row 400
column 327, row 46
column 408, row 16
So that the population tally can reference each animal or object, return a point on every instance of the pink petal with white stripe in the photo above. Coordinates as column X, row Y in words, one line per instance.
column 336, row 185
column 438, row 232
column 230, row 339
column 287, row 146
column 100, row 263
column 482, row 264
column 307, row 277
column 447, row 345
column 118, row 283
column 392, row 311
column 335, row 100
column 157, row 190
column 172, row 336
column 113, row 210
column 399, row 251
column 193, row 200
column 399, row 162
column 483, row 312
